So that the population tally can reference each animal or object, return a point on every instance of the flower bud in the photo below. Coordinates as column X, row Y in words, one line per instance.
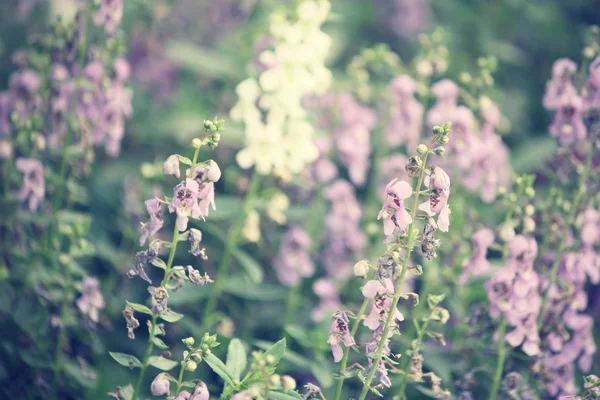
column 440, row 179
column 189, row 342
column 528, row 225
column 213, row 172
column 422, row 149
column 444, row 140
column 196, row 143
column 529, row 210
column 438, row 130
column 191, row 366
column 171, row 166
column 530, row 192
column 440, row 150
column 361, row 268
column 507, row 232
column 160, row 385
column 270, row 359
column 275, row 380
column 5, row 149
column 288, row 383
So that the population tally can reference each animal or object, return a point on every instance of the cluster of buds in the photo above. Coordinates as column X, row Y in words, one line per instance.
column 194, row 353
column 212, row 129
column 519, row 201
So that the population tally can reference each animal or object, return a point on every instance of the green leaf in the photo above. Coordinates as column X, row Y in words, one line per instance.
column 220, row 369
column 277, row 351
column 236, row 358
column 159, row 343
column 125, row 393
column 75, row 371
column 264, row 292
column 273, row 395
column 162, row 363
column 126, row 360
column 252, row 268
column 159, row 263
column 140, row 308
column 171, row 316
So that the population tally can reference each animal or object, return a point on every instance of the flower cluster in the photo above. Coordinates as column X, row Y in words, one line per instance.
column 278, row 136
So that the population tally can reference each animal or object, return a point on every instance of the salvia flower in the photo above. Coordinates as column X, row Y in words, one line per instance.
column 328, row 293
column 371, row 350
column 568, row 126
column 91, row 301
column 155, row 223
column 406, row 114
column 185, row 202
column 439, row 183
column 395, row 216
column 142, row 259
column 478, row 263
column 161, row 386
column 429, row 244
column 33, row 188
column 293, row 262
column 381, row 296
column 108, row 14
column 339, row 332
column 160, row 297
column 561, row 85
column 171, row 166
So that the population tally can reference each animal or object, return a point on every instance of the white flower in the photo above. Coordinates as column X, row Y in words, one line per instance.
column 278, row 137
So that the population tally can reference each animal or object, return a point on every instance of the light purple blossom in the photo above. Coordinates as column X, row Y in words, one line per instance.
column 478, row 263
column 155, row 223
column 339, row 332
column 439, row 183
column 327, row 292
column 381, row 296
column 293, row 262
column 395, row 217
column 371, row 350
column 591, row 88
column 161, row 385
column 406, row 114
column 171, row 166
column 185, row 202
column 91, row 300
column 561, row 85
column 33, row 188
column 345, row 240
column 568, row 125
column 443, row 110
column 108, row 14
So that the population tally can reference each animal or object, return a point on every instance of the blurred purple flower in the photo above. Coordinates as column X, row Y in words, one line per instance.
column 293, row 262
column 339, row 332
column 33, row 188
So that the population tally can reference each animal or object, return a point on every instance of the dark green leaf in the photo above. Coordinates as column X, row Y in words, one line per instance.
column 140, row 308
column 126, row 359
column 171, row 316
column 220, row 369
column 159, row 343
column 164, row 364
column 273, row 395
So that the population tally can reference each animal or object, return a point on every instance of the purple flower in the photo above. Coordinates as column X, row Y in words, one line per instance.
column 410, row 17
column 371, row 350
column 185, row 202
column 478, row 263
column 395, row 217
column 160, row 385
column 155, row 223
column 339, row 332
column 142, row 259
column 561, row 84
column 131, row 321
column 91, row 300
column 393, row 166
column 328, row 294
column 200, row 392
column 568, row 125
column 293, row 262
column 406, row 114
column 382, row 299
column 345, row 240
column 439, row 183
column 33, row 188
column 171, row 166
column 442, row 111
column 591, row 89
column 109, row 14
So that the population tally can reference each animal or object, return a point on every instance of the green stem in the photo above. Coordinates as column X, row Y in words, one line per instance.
column 292, row 304
column 231, row 242
column 500, row 361
column 399, row 280
column 570, row 220
column 344, row 363
column 147, row 355
column 58, row 361
column 154, row 317
column 421, row 332
column 180, row 378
